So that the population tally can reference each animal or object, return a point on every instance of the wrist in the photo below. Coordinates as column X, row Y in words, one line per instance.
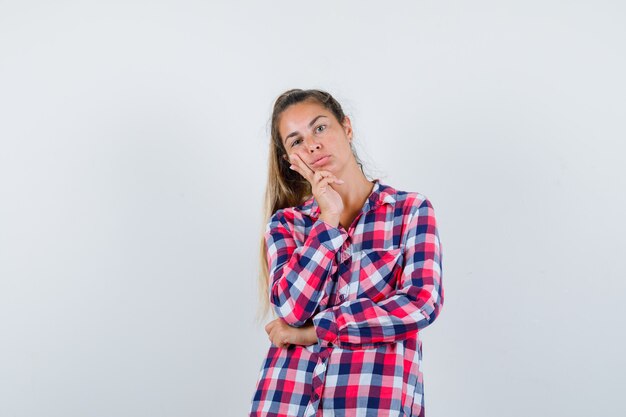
column 331, row 219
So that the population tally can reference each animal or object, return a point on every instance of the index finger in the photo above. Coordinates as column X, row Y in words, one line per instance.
column 307, row 171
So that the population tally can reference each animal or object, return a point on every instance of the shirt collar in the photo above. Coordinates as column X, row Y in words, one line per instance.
column 381, row 194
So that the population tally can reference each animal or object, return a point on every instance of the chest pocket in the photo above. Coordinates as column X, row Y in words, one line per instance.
column 379, row 271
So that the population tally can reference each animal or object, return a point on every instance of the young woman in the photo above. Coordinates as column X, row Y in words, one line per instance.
column 351, row 267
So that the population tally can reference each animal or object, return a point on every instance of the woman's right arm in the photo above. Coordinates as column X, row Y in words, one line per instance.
column 298, row 274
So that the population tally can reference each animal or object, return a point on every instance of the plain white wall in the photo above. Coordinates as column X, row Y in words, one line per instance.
column 133, row 148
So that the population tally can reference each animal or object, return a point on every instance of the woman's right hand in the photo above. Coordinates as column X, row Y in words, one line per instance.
column 322, row 182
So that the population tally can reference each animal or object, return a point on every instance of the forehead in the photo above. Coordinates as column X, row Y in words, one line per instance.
column 297, row 116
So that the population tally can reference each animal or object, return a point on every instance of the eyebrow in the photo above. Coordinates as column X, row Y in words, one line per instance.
column 310, row 124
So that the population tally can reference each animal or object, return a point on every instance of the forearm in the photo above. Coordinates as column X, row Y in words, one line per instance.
column 299, row 273
column 310, row 335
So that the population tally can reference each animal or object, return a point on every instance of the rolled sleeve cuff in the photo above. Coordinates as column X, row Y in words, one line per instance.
column 325, row 328
column 331, row 237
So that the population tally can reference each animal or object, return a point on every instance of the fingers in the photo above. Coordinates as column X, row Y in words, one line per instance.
column 279, row 338
column 300, row 166
column 324, row 178
column 277, row 335
column 314, row 177
column 270, row 335
column 322, row 182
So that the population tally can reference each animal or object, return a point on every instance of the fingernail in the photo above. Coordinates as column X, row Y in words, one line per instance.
column 291, row 166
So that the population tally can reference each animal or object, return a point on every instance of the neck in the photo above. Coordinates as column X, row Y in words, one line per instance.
column 355, row 190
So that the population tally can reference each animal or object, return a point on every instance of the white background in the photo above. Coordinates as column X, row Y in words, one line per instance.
column 133, row 158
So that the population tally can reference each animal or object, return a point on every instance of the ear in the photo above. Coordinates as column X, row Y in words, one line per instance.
column 347, row 127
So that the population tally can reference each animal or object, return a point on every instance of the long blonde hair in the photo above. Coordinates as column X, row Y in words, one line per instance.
column 285, row 187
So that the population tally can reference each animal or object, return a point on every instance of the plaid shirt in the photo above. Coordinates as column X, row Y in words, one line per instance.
column 368, row 291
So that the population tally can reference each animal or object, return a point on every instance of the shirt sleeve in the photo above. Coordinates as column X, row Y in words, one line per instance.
column 298, row 274
column 416, row 302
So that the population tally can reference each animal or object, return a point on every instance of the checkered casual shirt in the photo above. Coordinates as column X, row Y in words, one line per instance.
column 368, row 291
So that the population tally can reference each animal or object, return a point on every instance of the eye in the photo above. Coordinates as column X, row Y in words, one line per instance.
column 294, row 142
column 317, row 128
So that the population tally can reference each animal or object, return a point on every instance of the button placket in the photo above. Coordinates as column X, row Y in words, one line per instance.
column 346, row 251
column 319, row 377
column 343, row 288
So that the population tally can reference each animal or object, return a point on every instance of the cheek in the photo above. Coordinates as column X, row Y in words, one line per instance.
column 294, row 152
column 300, row 151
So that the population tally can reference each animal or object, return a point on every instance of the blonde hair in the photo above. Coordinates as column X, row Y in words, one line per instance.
column 285, row 187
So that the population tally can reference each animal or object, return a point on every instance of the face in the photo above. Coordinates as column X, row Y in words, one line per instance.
column 311, row 131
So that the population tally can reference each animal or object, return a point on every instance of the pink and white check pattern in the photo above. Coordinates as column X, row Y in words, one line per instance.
column 368, row 291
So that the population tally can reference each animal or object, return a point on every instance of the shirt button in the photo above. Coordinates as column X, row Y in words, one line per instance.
column 342, row 297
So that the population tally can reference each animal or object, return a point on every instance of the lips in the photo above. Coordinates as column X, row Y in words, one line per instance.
column 321, row 160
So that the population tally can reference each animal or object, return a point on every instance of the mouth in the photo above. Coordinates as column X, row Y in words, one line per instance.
column 321, row 160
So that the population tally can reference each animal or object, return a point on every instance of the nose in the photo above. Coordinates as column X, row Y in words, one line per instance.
column 312, row 145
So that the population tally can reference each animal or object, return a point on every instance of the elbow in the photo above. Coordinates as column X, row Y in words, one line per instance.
column 428, row 305
column 427, row 318
column 289, row 316
column 433, row 311
column 285, row 308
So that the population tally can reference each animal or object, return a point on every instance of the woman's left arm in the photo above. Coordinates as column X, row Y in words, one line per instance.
column 282, row 334
column 416, row 303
